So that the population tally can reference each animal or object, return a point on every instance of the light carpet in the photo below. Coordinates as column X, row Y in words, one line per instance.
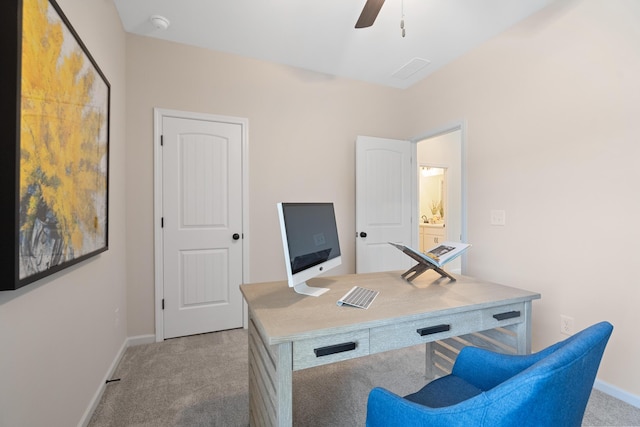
column 201, row 380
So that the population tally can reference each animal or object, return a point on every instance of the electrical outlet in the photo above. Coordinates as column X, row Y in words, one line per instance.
column 498, row 217
column 566, row 325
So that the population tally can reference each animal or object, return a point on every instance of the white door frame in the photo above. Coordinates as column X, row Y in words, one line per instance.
column 158, row 115
column 460, row 125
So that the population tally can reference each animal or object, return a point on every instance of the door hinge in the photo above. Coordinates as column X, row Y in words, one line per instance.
column 162, row 222
column 161, row 140
column 163, row 303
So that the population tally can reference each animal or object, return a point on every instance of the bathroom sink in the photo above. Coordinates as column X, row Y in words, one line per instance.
column 433, row 225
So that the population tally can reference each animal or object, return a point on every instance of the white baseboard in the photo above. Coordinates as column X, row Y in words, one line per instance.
column 618, row 393
column 129, row 342
column 86, row 417
column 141, row 339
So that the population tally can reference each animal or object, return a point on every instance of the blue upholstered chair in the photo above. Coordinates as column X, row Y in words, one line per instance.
column 548, row 388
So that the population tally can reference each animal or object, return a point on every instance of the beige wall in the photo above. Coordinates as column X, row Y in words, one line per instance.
column 302, row 129
column 552, row 117
column 59, row 336
column 550, row 106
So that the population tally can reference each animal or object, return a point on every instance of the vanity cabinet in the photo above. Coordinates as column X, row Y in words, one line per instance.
column 431, row 235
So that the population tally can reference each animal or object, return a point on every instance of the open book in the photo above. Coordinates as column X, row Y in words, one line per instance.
column 438, row 255
column 445, row 252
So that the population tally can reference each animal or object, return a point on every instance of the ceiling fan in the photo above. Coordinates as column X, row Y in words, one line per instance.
column 369, row 13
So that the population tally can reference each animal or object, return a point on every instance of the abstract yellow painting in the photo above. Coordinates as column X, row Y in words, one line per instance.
column 63, row 146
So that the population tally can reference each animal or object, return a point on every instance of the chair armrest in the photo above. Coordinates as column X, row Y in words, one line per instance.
column 387, row 409
column 486, row 369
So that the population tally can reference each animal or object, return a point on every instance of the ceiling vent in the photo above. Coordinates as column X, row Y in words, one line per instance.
column 410, row 68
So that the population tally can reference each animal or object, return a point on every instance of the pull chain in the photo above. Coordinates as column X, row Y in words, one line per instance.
column 402, row 18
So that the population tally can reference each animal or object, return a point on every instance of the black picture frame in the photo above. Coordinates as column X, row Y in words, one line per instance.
column 54, row 167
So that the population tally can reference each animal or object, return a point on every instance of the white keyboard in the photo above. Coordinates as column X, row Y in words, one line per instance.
column 358, row 297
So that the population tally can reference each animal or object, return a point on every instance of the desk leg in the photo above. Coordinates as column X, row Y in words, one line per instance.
column 429, row 368
column 270, row 382
column 524, row 331
column 284, row 381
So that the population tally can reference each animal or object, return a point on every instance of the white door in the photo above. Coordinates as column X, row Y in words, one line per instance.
column 202, row 225
column 384, row 171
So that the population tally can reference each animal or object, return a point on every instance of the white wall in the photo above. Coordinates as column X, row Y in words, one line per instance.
column 58, row 336
column 551, row 108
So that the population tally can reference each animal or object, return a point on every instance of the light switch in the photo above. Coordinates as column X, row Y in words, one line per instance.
column 498, row 217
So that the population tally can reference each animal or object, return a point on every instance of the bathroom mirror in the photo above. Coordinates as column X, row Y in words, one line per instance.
column 433, row 206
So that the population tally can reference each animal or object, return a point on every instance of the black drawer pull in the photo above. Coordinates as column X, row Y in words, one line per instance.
column 433, row 329
column 333, row 349
column 506, row 315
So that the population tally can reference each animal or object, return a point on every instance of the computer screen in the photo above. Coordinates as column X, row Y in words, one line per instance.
column 310, row 241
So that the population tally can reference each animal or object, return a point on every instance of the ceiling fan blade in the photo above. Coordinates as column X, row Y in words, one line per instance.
column 369, row 13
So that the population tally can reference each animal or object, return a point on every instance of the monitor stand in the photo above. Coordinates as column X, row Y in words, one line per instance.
column 304, row 289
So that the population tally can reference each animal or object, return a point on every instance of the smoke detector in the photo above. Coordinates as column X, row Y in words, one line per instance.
column 160, row 22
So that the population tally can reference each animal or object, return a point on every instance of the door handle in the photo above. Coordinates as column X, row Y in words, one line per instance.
column 235, row 236
column 363, row 234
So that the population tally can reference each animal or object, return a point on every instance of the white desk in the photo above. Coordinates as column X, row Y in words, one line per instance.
column 287, row 330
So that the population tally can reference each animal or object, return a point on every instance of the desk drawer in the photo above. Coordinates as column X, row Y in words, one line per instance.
column 421, row 331
column 321, row 351
column 505, row 315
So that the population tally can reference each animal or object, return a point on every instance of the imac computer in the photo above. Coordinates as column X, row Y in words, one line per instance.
column 310, row 240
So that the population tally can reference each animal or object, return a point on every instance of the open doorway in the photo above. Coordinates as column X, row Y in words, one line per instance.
column 440, row 204
column 433, row 205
